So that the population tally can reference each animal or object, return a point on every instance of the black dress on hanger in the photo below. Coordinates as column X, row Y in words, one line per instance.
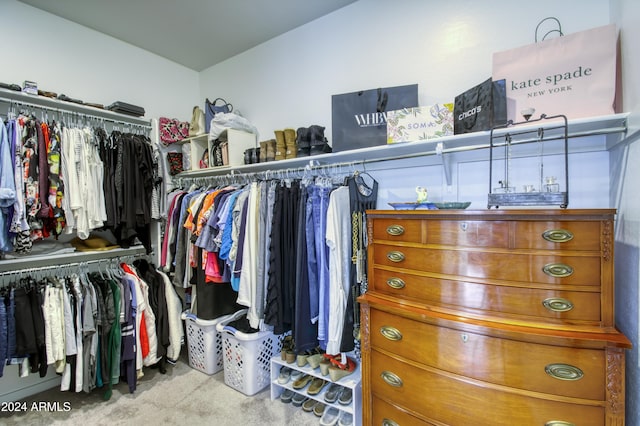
column 362, row 196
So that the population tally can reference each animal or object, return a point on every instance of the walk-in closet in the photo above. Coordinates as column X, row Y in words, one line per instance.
column 343, row 212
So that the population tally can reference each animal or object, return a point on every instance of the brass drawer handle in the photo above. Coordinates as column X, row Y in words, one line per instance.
column 557, row 304
column 391, row 379
column 391, row 333
column 395, row 256
column 564, row 372
column 557, row 235
column 557, row 270
column 387, row 422
column 396, row 283
column 395, row 230
column 559, row 423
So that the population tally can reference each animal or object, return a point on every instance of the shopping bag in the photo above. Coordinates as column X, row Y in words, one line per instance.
column 212, row 108
column 480, row 108
column 573, row 75
column 420, row 123
column 359, row 119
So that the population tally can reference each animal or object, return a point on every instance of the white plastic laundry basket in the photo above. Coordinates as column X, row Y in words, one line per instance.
column 204, row 343
column 247, row 356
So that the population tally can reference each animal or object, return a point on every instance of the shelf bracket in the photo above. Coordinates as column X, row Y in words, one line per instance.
column 446, row 162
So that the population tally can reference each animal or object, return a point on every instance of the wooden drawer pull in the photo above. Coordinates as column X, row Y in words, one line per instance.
column 558, row 423
column 395, row 256
column 396, row 283
column 564, row 372
column 395, row 230
column 557, row 304
column 387, row 422
column 557, row 235
column 391, row 379
column 391, row 333
column 557, row 270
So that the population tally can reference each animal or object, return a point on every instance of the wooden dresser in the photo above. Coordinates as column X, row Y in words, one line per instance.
column 493, row 317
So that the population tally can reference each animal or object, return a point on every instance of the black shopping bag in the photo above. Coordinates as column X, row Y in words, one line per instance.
column 480, row 108
column 359, row 119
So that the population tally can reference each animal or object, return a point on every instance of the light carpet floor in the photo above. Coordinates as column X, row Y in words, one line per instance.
column 183, row 396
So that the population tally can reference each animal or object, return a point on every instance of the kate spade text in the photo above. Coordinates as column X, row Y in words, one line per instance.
column 554, row 79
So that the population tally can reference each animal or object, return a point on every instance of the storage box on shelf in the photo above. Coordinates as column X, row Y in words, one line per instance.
column 199, row 144
column 352, row 381
column 238, row 141
column 247, row 356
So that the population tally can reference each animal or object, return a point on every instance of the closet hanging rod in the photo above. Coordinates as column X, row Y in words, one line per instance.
column 65, row 107
column 106, row 261
column 77, row 113
column 313, row 168
column 56, row 259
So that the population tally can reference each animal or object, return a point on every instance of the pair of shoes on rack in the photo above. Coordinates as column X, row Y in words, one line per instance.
column 317, row 384
column 311, row 357
column 332, row 416
column 309, row 405
column 302, row 382
column 288, row 350
column 284, row 375
column 298, row 399
column 346, row 419
column 339, row 393
column 319, row 408
column 331, row 365
column 286, row 396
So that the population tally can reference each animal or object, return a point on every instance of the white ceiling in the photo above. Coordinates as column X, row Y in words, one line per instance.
column 194, row 33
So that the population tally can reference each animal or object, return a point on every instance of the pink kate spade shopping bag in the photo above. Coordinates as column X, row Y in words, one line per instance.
column 574, row 75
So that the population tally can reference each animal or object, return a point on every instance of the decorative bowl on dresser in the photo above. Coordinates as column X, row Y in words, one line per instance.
column 496, row 317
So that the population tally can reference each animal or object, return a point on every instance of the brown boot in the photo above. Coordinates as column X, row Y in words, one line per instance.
column 271, row 150
column 280, row 145
column 290, row 143
column 263, row 151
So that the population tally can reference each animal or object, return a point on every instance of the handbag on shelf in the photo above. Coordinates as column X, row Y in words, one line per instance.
column 174, row 159
column 480, row 108
column 220, row 153
column 172, row 130
column 212, row 108
column 197, row 123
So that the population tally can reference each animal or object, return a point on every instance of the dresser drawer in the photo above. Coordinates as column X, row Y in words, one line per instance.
column 386, row 414
column 408, row 230
column 503, row 265
column 452, row 400
column 501, row 361
column 548, row 305
column 583, row 236
column 468, row 233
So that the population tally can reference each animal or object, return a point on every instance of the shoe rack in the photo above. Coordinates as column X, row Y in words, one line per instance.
column 352, row 381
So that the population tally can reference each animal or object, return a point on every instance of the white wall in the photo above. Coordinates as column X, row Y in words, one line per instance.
column 445, row 47
column 67, row 58
column 625, row 179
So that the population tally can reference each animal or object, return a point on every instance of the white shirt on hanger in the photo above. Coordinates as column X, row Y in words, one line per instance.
column 338, row 238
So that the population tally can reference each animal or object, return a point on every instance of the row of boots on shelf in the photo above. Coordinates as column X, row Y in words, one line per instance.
column 290, row 143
